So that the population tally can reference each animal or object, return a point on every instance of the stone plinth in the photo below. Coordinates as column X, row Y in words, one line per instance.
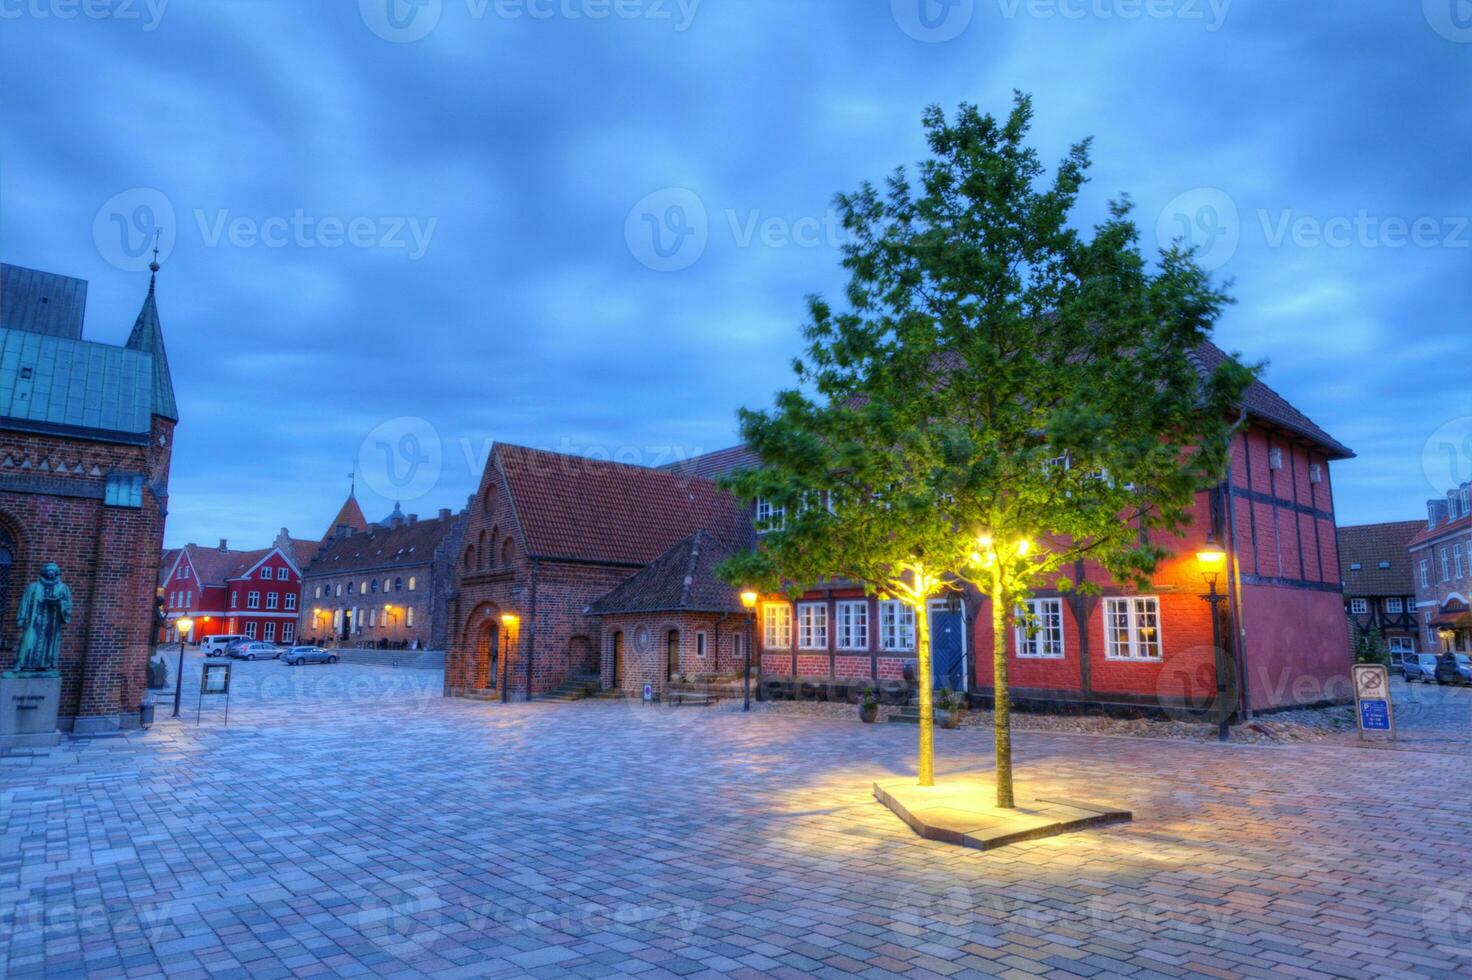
column 962, row 811
column 28, row 707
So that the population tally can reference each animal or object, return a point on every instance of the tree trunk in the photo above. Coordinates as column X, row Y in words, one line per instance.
column 924, row 678
column 1001, row 702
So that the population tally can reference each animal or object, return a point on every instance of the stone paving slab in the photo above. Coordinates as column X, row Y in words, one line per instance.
column 961, row 810
column 349, row 821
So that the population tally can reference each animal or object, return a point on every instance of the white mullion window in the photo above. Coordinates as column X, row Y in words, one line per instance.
column 896, row 626
column 853, row 625
column 1046, row 641
column 769, row 517
column 1132, row 628
column 776, row 626
column 812, row 626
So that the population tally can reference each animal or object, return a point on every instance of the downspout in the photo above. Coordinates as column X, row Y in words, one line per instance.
column 1238, row 619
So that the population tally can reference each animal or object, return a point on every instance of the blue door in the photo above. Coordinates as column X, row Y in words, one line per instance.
column 948, row 648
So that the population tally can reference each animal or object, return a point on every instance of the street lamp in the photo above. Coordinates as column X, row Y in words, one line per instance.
column 510, row 621
column 1213, row 560
column 183, row 625
column 748, row 599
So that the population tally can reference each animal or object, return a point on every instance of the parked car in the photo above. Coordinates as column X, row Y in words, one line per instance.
column 1420, row 667
column 255, row 651
column 308, row 655
column 1454, row 668
column 215, row 646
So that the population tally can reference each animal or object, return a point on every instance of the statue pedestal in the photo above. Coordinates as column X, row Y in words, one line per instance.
column 28, row 705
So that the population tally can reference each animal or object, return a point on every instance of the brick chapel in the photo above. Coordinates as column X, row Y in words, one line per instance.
column 86, row 436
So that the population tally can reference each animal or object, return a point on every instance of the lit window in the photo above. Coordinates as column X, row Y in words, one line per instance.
column 1045, row 617
column 812, row 626
column 776, row 625
column 413, row 583
column 1132, row 628
column 853, row 625
column 896, row 625
column 408, row 615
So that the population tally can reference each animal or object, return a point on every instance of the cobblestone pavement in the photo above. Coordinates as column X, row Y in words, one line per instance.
column 350, row 821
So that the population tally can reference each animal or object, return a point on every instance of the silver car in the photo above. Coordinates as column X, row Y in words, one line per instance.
column 1420, row 667
column 308, row 655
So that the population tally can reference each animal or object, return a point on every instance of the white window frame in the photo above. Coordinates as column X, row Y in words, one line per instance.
column 1137, row 646
column 235, row 600
column 812, row 626
column 290, row 604
column 769, row 517
column 1457, row 565
column 268, row 573
column 1048, row 642
column 288, row 631
column 1446, row 564
column 1425, row 573
column 1358, row 607
column 776, row 626
column 1402, row 644
column 252, row 600
column 408, row 615
column 268, row 631
column 896, row 627
column 852, row 617
column 1394, row 605
column 273, row 599
column 250, row 630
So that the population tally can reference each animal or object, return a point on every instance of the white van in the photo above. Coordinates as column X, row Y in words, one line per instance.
column 216, row 644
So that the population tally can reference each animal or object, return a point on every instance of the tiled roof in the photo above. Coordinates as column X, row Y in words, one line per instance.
column 580, row 509
column 379, row 547
column 680, row 580
column 166, row 564
column 214, row 566
column 1268, row 405
column 351, row 515
column 1426, row 533
column 1259, row 400
column 1370, row 544
column 302, row 552
column 42, row 302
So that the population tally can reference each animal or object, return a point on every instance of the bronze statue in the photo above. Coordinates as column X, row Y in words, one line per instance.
column 44, row 609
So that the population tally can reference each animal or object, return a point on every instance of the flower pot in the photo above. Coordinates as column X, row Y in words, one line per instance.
column 868, row 713
column 947, row 719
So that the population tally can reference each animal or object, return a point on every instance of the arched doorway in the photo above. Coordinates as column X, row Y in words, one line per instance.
column 618, row 658
column 488, row 659
column 672, row 653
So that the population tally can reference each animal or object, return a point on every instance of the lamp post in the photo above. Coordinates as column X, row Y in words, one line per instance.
column 748, row 599
column 1213, row 560
column 183, row 625
column 509, row 622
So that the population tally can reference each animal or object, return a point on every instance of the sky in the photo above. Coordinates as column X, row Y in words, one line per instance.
column 394, row 232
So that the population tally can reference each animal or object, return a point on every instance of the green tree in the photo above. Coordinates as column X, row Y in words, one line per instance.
column 1371, row 648
column 1002, row 398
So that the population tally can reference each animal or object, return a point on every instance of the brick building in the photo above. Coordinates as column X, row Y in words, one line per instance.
column 384, row 585
column 253, row 593
column 1379, row 584
column 1282, row 628
column 547, row 536
column 86, row 437
column 1441, row 561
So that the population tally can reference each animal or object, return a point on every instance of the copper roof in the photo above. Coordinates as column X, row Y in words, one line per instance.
column 1368, row 545
column 578, row 509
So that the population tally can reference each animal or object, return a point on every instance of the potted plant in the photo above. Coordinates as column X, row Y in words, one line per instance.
column 948, row 709
column 869, row 707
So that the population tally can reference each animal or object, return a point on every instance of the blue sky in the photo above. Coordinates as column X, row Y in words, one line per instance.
column 396, row 231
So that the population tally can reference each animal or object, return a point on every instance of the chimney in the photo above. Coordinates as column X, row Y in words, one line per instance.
column 223, row 545
column 413, row 519
column 444, row 513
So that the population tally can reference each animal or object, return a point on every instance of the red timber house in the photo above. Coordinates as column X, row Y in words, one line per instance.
column 256, row 593
column 1282, row 626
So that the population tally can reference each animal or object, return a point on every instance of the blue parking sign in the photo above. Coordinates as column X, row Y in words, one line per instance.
column 1375, row 715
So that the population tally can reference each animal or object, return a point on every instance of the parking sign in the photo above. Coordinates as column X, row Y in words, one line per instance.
column 1373, row 708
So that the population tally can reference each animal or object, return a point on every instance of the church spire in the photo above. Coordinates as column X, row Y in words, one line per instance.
column 148, row 336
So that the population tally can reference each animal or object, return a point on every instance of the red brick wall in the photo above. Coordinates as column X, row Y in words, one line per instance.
column 109, row 558
column 1298, row 650
column 649, row 665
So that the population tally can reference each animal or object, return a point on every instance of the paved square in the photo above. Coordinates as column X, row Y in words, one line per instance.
column 350, row 821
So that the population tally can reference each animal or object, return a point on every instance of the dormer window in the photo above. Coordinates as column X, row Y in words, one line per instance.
column 1354, row 566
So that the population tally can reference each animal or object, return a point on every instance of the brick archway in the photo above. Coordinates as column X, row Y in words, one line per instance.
column 481, row 639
